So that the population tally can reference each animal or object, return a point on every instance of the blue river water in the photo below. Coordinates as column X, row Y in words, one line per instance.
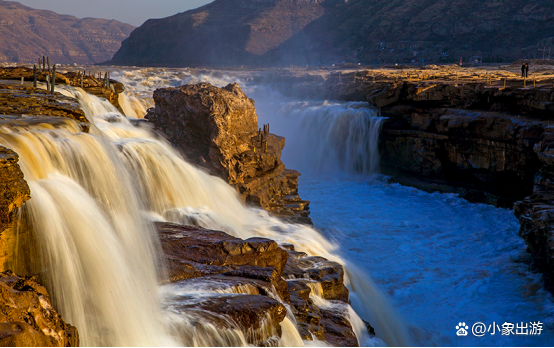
column 440, row 259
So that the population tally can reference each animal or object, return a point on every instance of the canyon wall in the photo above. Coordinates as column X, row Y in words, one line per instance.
column 488, row 144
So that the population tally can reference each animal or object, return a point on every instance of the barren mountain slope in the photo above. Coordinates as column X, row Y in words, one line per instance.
column 282, row 32
column 26, row 34
column 225, row 32
column 405, row 30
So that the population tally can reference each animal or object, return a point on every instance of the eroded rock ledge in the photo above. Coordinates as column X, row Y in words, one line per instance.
column 269, row 277
column 217, row 129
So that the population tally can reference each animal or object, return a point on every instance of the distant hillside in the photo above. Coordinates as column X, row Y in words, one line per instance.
column 225, row 32
column 282, row 32
column 435, row 30
column 26, row 34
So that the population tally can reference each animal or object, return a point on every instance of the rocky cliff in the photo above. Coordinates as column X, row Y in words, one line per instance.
column 217, row 128
column 27, row 34
column 283, row 32
column 487, row 143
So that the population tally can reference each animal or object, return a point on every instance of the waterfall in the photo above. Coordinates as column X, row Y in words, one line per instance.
column 335, row 138
column 93, row 195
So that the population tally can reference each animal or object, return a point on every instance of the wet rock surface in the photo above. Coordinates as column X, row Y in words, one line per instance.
column 92, row 84
column 29, row 101
column 27, row 317
column 14, row 191
column 266, row 275
column 216, row 128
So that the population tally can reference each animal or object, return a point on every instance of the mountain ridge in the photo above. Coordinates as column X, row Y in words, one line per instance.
column 27, row 34
column 283, row 32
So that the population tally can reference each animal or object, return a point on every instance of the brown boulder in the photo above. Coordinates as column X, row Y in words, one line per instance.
column 27, row 317
column 192, row 252
column 329, row 274
column 209, row 124
column 218, row 248
column 217, row 129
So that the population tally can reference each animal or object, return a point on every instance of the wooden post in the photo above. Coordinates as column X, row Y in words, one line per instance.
column 53, row 78
column 22, row 79
column 35, row 76
column 47, row 82
column 524, row 82
column 48, row 62
column 43, row 63
column 505, row 82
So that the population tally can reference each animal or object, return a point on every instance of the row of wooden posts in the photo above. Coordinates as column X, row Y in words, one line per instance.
column 44, row 63
column 263, row 134
column 428, row 77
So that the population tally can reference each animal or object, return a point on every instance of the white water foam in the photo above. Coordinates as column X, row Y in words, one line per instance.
column 103, row 171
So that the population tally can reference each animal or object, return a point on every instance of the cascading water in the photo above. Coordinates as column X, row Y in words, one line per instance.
column 92, row 197
column 336, row 137
column 409, row 240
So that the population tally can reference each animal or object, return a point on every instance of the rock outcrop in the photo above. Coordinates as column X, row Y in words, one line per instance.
column 264, row 277
column 14, row 191
column 27, row 34
column 91, row 84
column 17, row 100
column 536, row 212
column 217, row 129
column 27, row 318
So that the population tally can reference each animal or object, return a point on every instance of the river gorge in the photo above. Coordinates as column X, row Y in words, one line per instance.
column 112, row 204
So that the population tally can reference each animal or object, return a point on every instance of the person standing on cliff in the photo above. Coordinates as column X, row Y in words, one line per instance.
column 526, row 70
column 522, row 69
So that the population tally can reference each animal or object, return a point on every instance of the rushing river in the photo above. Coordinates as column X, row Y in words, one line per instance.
column 439, row 260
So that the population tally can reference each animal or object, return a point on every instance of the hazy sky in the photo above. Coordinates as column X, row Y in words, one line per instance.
column 134, row 12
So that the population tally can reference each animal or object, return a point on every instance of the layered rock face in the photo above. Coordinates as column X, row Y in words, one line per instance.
column 267, row 276
column 27, row 318
column 216, row 128
column 536, row 212
column 27, row 34
column 91, row 84
column 485, row 156
column 14, row 191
